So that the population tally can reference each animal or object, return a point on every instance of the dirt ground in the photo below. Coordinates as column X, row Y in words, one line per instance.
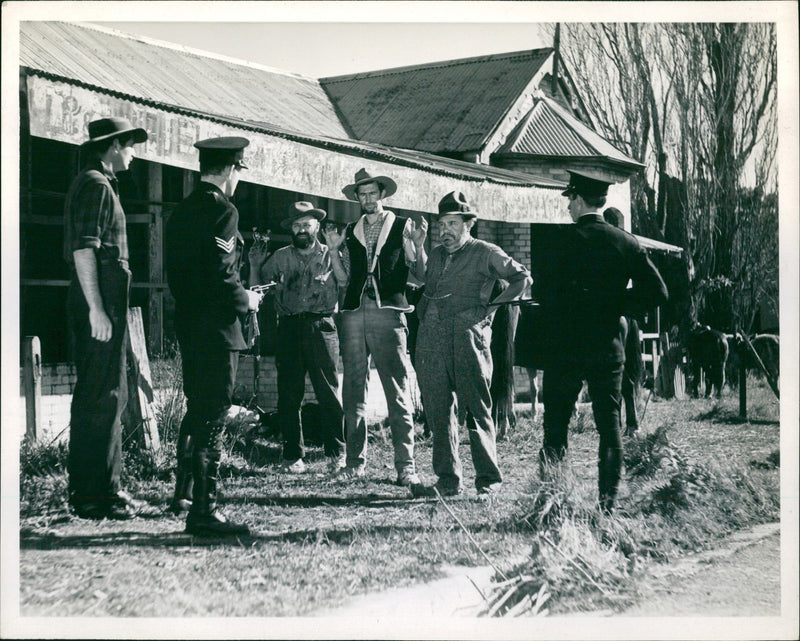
column 350, row 540
column 740, row 578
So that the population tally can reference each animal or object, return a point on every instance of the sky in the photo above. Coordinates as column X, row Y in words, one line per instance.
column 319, row 49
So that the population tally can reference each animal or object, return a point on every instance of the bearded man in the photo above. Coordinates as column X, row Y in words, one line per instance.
column 306, row 296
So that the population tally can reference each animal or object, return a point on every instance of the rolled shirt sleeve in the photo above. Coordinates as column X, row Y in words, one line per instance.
column 501, row 265
column 408, row 245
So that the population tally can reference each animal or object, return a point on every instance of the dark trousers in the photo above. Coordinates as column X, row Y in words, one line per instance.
column 631, row 389
column 209, row 372
column 308, row 343
column 101, row 392
column 561, row 385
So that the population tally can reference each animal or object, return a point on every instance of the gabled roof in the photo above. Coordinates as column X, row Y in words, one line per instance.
column 172, row 75
column 442, row 107
column 550, row 130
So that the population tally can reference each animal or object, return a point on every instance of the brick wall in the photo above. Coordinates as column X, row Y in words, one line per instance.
column 267, row 382
column 57, row 378
column 513, row 238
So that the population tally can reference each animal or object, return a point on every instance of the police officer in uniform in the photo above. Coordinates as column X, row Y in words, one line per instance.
column 583, row 341
column 203, row 258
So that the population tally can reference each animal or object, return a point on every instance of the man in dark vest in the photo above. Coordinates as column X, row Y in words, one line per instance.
column 582, row 326
column 96, row 249
column 203, row 259
column 376, row 253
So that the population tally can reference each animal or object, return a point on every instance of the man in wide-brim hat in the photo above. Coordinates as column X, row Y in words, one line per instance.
column 203, row 251
column 453, row 345
column 376, row 254
column 306, row 297
column 96, row 248
column 363, row 177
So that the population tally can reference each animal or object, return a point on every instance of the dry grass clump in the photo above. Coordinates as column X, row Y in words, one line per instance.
column 674, row 505
column 43, row 479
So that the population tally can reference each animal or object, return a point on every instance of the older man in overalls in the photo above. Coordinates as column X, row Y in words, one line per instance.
column 455, row 334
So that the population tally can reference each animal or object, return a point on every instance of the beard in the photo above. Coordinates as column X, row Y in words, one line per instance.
column 302, row 240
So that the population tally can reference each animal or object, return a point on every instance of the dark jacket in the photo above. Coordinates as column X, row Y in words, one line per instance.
column 389, row 265
column 583, row 303
column 203, row 257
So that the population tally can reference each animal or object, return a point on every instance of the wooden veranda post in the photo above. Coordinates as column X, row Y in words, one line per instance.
column 156, row 258
column 141, row 417
column 32, row 375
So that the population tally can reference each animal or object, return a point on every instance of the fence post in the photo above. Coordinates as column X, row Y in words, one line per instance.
column 742, row 384
column 140, row 412
column 32, row 375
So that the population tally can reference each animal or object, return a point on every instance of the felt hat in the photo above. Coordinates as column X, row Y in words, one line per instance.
column 225, row 150
column 302, row 209
column 106, row 128
column 363, row 177
column 586, row 183
column 456, row 203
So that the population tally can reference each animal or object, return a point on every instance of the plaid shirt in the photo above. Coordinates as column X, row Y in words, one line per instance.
column 93, row 215
column 371, row 235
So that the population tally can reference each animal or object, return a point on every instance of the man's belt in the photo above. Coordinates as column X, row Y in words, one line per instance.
column 307, row 315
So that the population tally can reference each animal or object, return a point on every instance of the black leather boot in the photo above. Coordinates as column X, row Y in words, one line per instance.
column 204, row 519
column 550, row 459
column 609, row 469
column 182, row 498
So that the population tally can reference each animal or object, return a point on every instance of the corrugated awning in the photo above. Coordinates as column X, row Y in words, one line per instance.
column 60, row 109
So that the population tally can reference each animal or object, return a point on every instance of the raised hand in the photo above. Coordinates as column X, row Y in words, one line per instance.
column 258, row 253
column 419, row 231
column 333, row 238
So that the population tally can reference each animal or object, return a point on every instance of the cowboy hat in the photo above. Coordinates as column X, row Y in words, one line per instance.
column 302, row 209
column 363, row 177
column 106, row 128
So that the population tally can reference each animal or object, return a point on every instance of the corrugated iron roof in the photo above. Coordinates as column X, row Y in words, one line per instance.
column 172, row 75
column 550, row 130
column 443, row 107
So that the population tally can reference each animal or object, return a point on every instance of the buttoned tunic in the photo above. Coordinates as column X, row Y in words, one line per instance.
column 204, row 249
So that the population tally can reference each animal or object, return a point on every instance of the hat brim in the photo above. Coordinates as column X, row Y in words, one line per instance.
column 467, row 215
column 389, row 186
column 319, row 214
column 139, row 136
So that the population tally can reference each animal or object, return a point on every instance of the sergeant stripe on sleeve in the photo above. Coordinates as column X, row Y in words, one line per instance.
column 225, row 245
